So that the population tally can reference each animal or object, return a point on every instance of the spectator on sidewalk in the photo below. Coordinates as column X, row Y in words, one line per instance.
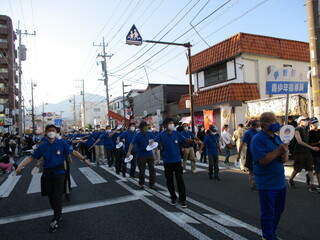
column 314, row 136
column 268, row 154
column 302, row 155
column 237, row 138
column 188, row 150
column 227, row 142
column 7, row 163
column 247, row 141
column 201, row 135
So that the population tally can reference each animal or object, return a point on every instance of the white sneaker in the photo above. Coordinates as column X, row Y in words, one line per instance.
column 184, row 171
column 194, row 171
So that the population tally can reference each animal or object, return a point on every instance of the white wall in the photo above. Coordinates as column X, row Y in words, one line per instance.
column 263, row 62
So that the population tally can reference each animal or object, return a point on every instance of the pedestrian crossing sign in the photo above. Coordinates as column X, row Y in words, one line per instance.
column 134, row 37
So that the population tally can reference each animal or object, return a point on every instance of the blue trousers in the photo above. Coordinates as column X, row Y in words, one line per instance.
column 228, row 152
column 272, row 204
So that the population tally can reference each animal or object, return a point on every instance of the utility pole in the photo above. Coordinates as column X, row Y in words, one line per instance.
column 74, row 110
column 124, row 103
column 32, row 105
column 83, row 103
column 19, row 33
column 314, row 37
column 24, row 115
column 105, row 73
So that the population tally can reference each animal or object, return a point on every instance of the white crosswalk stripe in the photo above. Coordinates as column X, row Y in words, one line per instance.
column 8, row 185
column 92, row 176
column 35, row 184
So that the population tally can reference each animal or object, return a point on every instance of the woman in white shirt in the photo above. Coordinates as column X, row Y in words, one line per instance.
column 226, row 140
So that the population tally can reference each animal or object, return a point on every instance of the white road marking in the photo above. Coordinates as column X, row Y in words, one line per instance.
column 171, row 216
column 8, row 185
column 35, row 184
column 112, row 172
column 73, row 184
column 221, row 220
column 74, row 208
column 209, row 209
column 147, row 173
column 198, row 169
column 201, row 218
column 92, row 176
column 185, row 217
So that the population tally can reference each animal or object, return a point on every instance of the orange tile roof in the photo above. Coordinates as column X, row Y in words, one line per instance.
column 225, row 93
column 250, row 43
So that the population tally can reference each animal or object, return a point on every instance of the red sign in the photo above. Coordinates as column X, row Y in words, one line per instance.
column 209, row 118
column 115, row 116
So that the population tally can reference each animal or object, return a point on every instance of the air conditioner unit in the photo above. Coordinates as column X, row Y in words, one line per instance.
column 270, row 68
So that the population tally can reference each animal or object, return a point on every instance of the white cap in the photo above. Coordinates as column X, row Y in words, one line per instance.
column 301, row 118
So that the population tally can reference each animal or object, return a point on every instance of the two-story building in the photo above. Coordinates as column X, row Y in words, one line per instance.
column 157, row 102
column 234, row 71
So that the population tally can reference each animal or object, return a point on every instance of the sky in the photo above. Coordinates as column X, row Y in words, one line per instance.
column 62, row 50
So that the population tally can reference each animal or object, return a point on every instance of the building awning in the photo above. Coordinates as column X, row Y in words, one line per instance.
column 233, row 92
column 298, row 106
column 185, row 119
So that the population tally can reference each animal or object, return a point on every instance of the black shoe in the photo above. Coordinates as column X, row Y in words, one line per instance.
column 173, row 202
column 53, row 226
column 210, row 177
column 313, row 189
column 205, row 162
column 291, row 183
column 183, row 205
column 68, row 197
column 216, row 178
column 254, row 189
column 141, row 186
column 153, row 187
column 307, row 179
column 123, row 175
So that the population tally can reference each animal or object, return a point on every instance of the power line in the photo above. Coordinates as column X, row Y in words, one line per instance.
column 136, row 21
column 221, row 6
column 108, row 21
column 157, row 35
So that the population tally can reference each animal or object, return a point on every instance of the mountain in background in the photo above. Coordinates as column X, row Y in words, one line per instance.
column 67, row 107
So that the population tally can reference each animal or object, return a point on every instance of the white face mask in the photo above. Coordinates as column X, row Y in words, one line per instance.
column 185, row 128
column 202, row 129
column 98, row 129
column 213, row 133
column 132, row 129
column 316, row 125
column 51, row 134
column 108, row 130
column 305, row 123
column 171, row 127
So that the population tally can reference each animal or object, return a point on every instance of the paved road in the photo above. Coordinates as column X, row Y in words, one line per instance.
column 105, row 205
